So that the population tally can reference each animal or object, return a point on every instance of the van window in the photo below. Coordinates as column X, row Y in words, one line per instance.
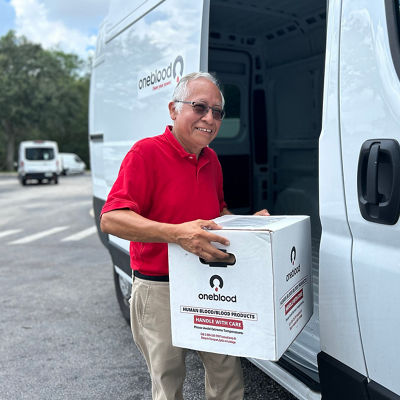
column 39, row 154
column 230, row 127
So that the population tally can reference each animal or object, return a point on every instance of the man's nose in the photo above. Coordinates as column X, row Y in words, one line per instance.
column 208, row 116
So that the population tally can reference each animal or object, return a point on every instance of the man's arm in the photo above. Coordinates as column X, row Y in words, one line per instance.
column 192, row 236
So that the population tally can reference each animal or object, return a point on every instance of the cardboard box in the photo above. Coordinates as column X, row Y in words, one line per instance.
column 254, row 308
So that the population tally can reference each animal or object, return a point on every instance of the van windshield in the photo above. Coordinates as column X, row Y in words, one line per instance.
column 39, row 154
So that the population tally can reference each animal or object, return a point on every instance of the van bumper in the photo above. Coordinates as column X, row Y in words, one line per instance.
column 39, row 175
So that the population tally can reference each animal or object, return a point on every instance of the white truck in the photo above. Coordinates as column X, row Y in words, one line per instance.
column 38, row 160
column 312, row 92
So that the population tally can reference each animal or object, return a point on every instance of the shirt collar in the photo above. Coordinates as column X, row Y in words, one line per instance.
column 176, row 145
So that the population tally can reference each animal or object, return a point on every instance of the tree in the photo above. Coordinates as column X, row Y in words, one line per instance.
column 42, row 95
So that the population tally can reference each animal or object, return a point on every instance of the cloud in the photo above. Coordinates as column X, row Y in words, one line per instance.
column 60, row 24
column 80, row 14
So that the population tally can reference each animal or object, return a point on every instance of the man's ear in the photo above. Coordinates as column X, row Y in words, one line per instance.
column 172, row 111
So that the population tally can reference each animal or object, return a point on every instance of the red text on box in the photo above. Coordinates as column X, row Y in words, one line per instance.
column 221, row 322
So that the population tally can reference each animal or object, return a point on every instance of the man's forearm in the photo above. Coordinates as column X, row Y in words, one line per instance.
column 129, row 225
column 194, row 236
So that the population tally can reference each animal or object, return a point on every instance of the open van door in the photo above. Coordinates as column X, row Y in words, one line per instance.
column 370, row 136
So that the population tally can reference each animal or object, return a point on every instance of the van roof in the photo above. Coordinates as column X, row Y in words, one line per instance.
column 38, row 143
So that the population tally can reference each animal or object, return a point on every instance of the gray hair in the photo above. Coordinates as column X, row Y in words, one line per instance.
column 181, row 92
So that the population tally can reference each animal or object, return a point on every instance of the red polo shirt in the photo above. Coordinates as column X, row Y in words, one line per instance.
column 159, row 180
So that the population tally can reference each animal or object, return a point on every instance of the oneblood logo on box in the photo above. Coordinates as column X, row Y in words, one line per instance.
column 295, row 270
column 216, row 283
column 160, row 76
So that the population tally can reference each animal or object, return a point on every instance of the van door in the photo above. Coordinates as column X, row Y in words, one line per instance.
column 370, row 125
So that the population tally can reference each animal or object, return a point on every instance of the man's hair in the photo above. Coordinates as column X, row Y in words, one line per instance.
column 181, row 91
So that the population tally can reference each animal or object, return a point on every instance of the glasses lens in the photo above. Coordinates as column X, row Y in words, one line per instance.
column 217, row 114
column 200, row 108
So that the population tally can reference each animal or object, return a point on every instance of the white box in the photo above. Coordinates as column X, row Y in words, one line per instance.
column 254, row 308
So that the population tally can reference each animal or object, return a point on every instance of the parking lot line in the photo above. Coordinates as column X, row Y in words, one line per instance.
column 36, row 236
column 9, row 232
column 80, row 235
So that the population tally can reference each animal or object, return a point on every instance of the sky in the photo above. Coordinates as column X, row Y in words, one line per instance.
column 68, row 25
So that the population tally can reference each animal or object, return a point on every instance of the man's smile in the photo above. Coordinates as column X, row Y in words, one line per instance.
column 205, row 130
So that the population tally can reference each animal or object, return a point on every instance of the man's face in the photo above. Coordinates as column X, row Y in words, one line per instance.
column 194, row 131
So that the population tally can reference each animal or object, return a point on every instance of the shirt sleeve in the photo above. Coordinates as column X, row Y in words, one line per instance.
column 132, row 187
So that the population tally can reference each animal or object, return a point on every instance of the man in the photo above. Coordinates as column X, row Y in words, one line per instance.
column 168, row 189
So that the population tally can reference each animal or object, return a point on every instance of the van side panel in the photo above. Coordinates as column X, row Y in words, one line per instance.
column 140, row 60
column 97, row 116
column 142, row 66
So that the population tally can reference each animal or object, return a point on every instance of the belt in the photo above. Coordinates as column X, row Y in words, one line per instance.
column 156, row 278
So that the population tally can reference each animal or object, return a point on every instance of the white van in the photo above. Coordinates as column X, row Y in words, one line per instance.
column 313, row 127
column 71, row 163
column 38, row 160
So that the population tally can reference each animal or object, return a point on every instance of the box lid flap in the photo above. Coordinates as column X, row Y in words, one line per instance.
column 256, row 223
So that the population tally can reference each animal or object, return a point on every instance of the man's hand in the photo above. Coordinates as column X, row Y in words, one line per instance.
column 262, row 213
column 194, row 236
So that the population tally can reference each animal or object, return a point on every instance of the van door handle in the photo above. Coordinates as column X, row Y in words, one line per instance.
column 378, row 181
column 372, row 174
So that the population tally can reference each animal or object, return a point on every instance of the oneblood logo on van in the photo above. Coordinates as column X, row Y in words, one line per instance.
column 165, row 74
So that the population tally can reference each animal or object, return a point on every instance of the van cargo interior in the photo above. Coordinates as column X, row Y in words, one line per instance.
column 269, row 57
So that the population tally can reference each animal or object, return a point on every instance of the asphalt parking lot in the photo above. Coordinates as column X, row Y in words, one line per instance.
column 62, row 335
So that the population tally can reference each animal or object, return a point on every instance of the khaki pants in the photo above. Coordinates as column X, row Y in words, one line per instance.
column 151, row 329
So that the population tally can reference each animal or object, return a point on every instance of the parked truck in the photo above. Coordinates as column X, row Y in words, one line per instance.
column 312, row 127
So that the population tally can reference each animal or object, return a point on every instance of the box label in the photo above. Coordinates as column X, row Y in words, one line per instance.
column 221, row 322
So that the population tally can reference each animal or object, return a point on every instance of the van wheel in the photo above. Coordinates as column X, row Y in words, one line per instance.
column 123, row 291
column 23, row 181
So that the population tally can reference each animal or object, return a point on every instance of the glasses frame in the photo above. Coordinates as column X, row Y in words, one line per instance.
column 206, row 109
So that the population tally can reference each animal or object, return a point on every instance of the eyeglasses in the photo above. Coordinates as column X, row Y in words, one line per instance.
column 202, row 109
